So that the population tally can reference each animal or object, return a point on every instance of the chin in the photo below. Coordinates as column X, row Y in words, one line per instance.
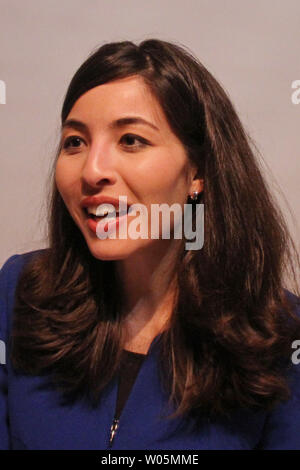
column 109, row 250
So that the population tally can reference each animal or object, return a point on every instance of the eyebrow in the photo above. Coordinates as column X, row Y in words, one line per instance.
column 118, row 123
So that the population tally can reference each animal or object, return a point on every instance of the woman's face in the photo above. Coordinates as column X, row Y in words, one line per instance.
column 104, row 154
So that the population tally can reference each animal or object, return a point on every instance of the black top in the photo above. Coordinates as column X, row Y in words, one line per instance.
column 130, row 365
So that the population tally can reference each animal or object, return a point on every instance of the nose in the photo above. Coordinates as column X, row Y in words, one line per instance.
column 99, row 167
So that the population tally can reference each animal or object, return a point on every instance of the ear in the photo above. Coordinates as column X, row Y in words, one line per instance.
column 197, row 183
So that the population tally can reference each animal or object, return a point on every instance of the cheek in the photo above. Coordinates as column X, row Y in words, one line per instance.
column 164, row 178
column 66, row 178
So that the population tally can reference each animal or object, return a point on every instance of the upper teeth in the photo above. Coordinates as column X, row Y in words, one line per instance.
column 102, row 209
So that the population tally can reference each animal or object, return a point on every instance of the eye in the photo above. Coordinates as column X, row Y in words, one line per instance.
column 132, row 141
column 73, row 141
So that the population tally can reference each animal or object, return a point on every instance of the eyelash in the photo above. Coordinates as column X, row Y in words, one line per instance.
column 142, row 141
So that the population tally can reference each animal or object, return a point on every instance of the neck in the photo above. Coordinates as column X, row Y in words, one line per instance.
column 149, row 289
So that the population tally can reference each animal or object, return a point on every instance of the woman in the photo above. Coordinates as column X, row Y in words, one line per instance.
column 141, row 343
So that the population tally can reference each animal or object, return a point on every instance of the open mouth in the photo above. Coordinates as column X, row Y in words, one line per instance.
column 108, row 216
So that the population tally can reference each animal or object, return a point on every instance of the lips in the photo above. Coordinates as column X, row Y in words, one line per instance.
column 120, row 205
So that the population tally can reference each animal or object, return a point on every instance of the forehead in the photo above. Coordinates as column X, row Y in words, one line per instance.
column 127, row 96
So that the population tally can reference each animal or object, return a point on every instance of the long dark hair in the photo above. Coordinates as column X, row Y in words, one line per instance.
column 233, row 323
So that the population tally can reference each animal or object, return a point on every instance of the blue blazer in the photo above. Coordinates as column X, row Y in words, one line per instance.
column 32, row 415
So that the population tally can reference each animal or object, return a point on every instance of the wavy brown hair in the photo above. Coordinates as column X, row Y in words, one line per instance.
column 228, row 343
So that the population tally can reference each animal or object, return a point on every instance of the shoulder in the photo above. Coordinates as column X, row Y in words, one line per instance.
column 282, row 426
column 9, row 275
column 294, row 300
column 12, row 268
